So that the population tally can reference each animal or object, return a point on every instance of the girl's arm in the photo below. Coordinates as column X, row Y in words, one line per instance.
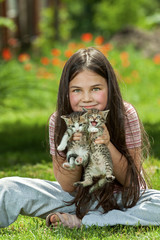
column 120, row 162
column 65, row 177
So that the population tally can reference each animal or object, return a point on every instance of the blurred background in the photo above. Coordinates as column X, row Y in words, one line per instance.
column 36, row 39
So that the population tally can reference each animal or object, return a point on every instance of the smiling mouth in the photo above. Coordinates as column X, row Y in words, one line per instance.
column 94, row 123
column 93, row 106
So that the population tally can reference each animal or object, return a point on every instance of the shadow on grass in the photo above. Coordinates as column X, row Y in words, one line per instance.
column 22, row 144
column 153, row 131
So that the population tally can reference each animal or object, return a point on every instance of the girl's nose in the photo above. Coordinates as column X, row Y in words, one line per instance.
column 87, row 97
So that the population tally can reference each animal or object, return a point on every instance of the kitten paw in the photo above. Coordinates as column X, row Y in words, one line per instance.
column 68, row 166
column 61, row 147
column 78, row 160
column 83, row 183
column 76, row 184
column 110, row 178
column 92, row 129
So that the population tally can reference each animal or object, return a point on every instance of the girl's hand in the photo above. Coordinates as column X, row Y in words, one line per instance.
column 104, row 138
column 77, row 136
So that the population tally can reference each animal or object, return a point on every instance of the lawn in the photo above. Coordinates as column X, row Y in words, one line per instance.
column 25, row 108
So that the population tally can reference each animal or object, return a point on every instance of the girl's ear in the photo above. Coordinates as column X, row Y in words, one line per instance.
column 105, row 113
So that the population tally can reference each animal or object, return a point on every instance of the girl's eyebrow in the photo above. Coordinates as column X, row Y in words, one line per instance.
column 95, row 85
column 75, row 87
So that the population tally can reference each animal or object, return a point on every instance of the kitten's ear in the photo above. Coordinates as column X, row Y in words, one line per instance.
column 84, row 116
column 105, row 113
column 84, row 109
column 64, row 118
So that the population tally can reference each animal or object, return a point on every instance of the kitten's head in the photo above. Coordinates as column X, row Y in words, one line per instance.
column 97, row 117
column 76, row 121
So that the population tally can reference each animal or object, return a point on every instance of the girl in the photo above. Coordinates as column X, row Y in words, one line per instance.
column 88, row 80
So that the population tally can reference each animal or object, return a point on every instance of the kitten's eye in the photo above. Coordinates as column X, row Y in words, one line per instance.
column 80, row 124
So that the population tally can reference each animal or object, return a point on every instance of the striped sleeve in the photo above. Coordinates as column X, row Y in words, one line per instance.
column 132, row 127
column 51, row 133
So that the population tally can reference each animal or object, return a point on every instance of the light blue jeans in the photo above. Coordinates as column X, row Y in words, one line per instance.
column 37, row 198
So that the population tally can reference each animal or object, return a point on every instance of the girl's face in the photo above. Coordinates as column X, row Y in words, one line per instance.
column 88, row 89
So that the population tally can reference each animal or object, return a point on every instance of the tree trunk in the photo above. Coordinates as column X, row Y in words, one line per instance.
column 3, row 30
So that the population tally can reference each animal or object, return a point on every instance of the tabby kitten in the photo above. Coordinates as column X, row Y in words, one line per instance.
column 100, row 164
column 77, row 151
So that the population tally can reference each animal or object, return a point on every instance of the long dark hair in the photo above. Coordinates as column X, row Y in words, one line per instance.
column 93, row 60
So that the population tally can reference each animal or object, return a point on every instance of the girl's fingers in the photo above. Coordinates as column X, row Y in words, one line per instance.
column 77, row 136
column 102, row 141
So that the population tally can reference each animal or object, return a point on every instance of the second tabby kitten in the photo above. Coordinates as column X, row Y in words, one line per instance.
column 100, row 163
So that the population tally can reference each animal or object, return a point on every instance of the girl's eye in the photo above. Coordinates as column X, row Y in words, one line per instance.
column 76, row 90
column 96, row 89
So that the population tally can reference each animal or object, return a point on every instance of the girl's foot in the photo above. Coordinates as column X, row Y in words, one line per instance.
column 65, row 219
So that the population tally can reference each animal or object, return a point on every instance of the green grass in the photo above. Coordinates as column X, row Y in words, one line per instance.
column 27, row 228
column 24, row 147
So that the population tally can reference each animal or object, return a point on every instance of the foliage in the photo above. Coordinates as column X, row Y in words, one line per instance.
column 6, row 22
column 153, row 20
column 66, row 24
column 112, row 16
column 72, row 18
column 47, row 38
column 81, row 14
column 46, row 28
column 19, row 90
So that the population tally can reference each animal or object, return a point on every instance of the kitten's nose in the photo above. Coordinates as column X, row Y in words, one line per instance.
column 76, row 126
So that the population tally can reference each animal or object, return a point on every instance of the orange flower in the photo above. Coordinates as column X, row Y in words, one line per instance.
column 72, row 45
column 6, row 54
column 23, row 57
column 108, row 47
column 56, row 62
column 99, row 40
column 87, row 37
column 125, row 59
column 28, row 66
column 43, row 74
column 56, row 52
column 156, row 59
column 13, row 42
column 45, row 61
column 124, row 55
column 68, row 53
column 47, row 75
